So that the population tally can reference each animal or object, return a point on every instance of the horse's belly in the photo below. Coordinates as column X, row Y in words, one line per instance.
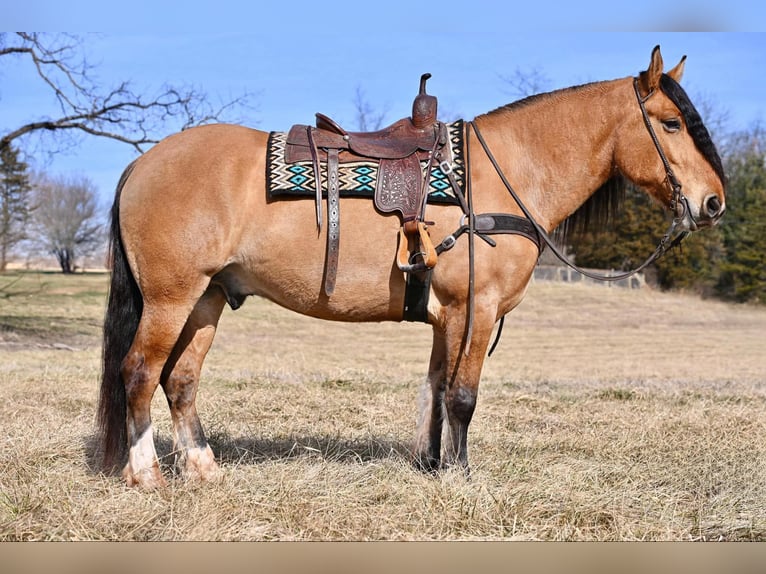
column 284, row 260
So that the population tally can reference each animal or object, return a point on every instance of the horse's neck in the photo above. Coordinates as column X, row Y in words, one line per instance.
column 557, row 149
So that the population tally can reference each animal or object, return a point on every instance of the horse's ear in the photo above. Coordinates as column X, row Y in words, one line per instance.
column 678, row 72
column 650, row 79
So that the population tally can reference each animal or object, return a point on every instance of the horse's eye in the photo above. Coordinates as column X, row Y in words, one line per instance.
column 671, row 124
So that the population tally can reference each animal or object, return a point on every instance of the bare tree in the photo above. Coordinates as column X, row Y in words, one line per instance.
column 367, row 119
column 67, row 220
column 86, row 107
column 523, row 83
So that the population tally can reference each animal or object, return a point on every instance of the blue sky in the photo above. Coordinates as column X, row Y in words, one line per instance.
column 381, row 51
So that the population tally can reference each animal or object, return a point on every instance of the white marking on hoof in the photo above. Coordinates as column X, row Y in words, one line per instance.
column 200, row 465
column 143, row 468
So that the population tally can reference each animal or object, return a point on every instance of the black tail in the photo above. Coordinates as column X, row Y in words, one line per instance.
column 123, row 313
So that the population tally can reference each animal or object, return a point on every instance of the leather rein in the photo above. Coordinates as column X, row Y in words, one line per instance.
column 679, row 206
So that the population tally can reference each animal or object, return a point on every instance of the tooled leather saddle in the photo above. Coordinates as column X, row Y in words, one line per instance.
column 405, row 153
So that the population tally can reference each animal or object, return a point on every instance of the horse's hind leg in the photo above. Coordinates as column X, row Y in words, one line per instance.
column 180, row 380
column 431, row 408
column 160, row 326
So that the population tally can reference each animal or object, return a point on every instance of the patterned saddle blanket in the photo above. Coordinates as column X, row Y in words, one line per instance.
column 358, row 177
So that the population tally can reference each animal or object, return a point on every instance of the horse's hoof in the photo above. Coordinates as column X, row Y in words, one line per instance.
column 200, row 465
column 146, row 479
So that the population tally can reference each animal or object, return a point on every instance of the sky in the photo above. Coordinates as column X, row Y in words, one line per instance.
column 297, row 60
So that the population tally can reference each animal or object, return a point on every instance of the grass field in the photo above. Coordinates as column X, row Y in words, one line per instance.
column 605, row 414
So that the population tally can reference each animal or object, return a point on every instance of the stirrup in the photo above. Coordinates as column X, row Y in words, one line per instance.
column 428, row 252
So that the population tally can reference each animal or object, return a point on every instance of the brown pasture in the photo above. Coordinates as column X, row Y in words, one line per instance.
column 605, row 414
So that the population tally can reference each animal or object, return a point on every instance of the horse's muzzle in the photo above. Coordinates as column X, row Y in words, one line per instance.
column 712, row 208
column 709, row 213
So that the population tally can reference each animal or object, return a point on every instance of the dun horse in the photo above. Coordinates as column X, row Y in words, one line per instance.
column 193, row 229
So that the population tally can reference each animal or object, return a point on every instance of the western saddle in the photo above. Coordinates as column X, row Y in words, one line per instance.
column 400, row 150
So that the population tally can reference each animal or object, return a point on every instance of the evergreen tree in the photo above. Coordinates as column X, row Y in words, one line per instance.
column 743, row 273
column 15, row 200
column 634, row 235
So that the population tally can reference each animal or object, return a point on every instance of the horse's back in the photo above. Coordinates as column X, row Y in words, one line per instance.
column 207, row 167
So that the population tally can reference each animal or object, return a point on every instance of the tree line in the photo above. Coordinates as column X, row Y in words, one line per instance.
column 727, row 261
column 42, row 214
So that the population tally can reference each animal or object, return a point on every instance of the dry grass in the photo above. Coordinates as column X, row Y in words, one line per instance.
column 604, row 415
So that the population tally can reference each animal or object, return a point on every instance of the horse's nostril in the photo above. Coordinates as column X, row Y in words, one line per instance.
column 712, row 206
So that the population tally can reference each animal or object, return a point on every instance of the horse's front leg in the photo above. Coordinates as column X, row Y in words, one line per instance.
column 452, row 388
column 463, row 372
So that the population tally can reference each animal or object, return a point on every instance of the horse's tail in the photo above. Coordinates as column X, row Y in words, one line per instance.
column 123, row 312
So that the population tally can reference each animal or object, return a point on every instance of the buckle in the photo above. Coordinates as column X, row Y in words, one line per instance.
column 445, row 167
column 448, row 242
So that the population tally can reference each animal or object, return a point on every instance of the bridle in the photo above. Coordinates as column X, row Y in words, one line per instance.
column 679, row 207
column 677, row 198
column 679, row 204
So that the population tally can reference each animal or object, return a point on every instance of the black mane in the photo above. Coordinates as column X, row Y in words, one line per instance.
column 598, row 212
column 694, row 125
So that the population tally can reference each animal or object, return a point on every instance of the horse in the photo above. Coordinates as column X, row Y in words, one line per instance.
column 192, row 229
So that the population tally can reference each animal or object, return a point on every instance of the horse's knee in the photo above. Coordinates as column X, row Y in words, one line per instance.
column 461, row 402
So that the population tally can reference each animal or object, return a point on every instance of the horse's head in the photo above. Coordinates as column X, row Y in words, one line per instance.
column 666, row 149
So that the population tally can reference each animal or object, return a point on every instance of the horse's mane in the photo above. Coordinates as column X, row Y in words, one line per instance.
column 602, row 208
column 598, row 212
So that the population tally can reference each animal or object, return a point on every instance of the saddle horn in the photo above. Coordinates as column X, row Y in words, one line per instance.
column 424, row 106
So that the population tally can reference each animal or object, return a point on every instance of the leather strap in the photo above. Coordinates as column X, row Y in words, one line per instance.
column 333, row 222
column 317, row 175
column 507, row 223
column 495, row 224
column 416, row 297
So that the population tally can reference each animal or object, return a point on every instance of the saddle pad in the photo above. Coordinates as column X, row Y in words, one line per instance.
column 357, row 179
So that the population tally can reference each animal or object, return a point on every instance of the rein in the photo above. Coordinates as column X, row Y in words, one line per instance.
column 679, row 206
column 678, row 200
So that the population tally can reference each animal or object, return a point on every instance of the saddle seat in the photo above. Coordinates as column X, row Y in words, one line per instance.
column 400, row 139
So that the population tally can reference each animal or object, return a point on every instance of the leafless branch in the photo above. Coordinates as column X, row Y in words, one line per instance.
column 118, row 113
column 523, row 83
column 366, row 118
